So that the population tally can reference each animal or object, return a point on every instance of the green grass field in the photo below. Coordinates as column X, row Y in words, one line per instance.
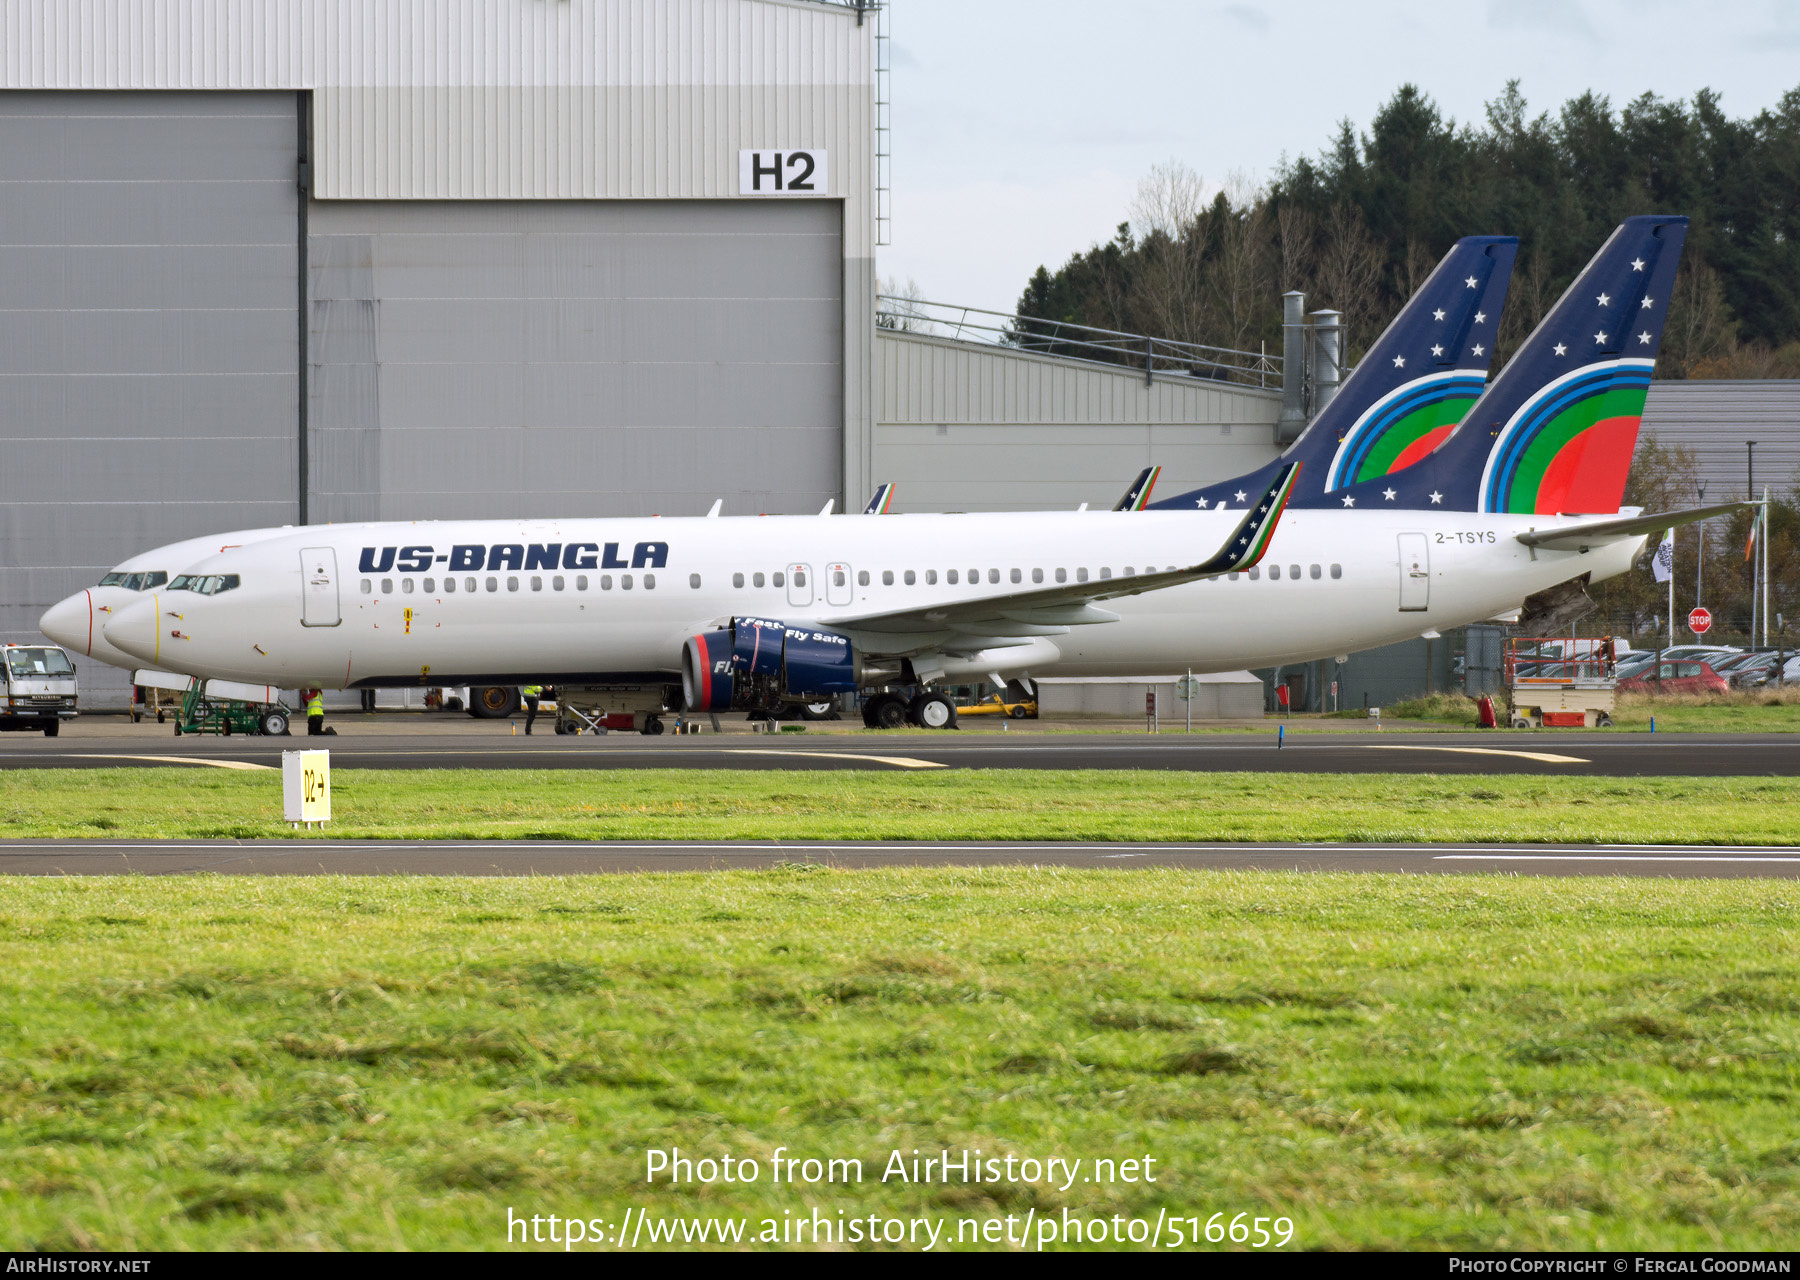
column 1388, row 1061
column 924, row 805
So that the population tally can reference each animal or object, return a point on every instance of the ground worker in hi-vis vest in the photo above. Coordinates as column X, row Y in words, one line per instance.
column 531, row 693
column 315, row 712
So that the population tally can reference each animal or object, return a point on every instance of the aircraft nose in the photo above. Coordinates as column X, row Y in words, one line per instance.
column 135, row 628
column 71, row 622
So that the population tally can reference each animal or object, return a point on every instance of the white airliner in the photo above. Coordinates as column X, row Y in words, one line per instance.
column 755, row 612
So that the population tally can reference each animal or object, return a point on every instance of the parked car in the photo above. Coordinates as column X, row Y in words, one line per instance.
column 1677, row 677
column 997, row 705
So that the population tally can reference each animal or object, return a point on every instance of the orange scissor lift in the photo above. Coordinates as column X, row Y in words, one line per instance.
column 1565, row 682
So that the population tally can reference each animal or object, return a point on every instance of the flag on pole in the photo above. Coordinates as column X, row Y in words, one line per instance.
column 1750, row 543
column 1662, row 564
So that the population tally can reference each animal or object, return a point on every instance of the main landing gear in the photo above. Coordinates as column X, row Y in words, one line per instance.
column 924, row 710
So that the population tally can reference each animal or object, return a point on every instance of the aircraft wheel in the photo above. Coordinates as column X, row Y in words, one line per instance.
column 932, row 711
column 888, row 711
column 160, row 717
column 275, row 724
column 494, row 701
column 817, row 710
column 653, row 726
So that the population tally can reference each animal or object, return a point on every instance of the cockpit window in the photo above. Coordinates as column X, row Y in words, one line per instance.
column 23, row 662
column 133, row 582
column 205, row 584
column 112, row 579
column 155, row 579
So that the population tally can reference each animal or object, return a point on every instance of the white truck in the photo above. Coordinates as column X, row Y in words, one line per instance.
column 40, row 690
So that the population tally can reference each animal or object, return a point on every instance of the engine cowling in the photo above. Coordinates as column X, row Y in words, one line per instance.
column 763, row 662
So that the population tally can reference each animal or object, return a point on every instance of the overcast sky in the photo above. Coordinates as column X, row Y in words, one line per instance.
column 1022, row 127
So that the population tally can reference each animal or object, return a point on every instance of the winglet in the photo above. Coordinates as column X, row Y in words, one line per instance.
column 1139, row 493
column 1250, row 540
column 717, row 506
column 884, row 497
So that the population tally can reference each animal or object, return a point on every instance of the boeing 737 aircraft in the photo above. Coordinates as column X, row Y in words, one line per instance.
column 754, row 612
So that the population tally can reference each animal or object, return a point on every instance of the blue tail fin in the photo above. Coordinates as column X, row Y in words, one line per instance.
column 1408, row 392
column 1556, row 430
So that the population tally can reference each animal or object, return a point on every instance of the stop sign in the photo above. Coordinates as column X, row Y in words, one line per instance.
column 1700, row 619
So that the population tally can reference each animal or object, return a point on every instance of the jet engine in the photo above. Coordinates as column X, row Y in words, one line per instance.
column 763, row 663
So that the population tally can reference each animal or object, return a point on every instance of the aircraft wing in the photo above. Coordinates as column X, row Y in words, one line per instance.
column 1012, row 618
column 1579, row 537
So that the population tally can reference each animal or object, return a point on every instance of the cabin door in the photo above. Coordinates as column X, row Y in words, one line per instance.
column 319, row 588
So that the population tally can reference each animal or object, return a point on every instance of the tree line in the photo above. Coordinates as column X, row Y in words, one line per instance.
column 1359, row 227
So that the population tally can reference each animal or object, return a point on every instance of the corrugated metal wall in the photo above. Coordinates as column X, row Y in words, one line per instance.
column 149, row 368
column 576, row 358
column 1714, row 419
column 962, row 426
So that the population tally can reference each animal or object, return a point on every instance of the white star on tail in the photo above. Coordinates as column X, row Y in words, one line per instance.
column 1477, row 348
column 1599, row 337
column 1437, row 315
column 1437, row 351
column 1561, row 350
column 1388, row 494
column 1349, row 501
column 1480, row 317
column 1399, row 362
column 1603, row 300
column 1436, row 496
column 1644, row 338
column 1201, row 504
column 1645, row 304
column 1637, row 264
column 1470, row 282
column 1240, row 495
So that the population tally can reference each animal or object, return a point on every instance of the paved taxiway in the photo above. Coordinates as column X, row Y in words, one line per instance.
column 486, row 745
column 548, row 857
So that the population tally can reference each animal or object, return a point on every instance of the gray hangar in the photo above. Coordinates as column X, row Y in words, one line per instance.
column 269, row 262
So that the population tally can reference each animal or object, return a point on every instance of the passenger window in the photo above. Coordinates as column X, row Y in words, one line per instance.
column 649, row 582
column 1255, row 574
column 779, row 579
column 931, row 577
column 911, row 578
column 387, row 586
column 450, row 586
column 606, row 582
column 1081, row 575
column 1105, row 574
column 694, row 581
column 581, row 582
column 757, row 580
column 993, row 575
column 1126, row 572
column 838, row 578
column 537, row 583
column 1294, row 572
column 512, row 584
column 862, row 577
column 887, row 577
column 1037, row 575
column 624, row 582
column 493, row 584
column 799, row 578
column 1062, row 575
column 367, row 586
column 1018, row 576
column 737, row 580
column 1315, row 572
column 1232, row 576
column 1337, row 570
column 556, row 583
column 430, row 585
column 974, row 577
column 951, row 577
column 1274, row 573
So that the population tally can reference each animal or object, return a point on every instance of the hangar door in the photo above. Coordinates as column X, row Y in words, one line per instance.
column 149, row 332
column 543, row 358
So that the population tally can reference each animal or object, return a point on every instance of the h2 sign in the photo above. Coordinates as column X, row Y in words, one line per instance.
column 782, row 173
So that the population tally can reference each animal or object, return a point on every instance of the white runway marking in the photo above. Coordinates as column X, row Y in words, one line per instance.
column 1542, row 757
column 211, row 764
column 899, row 762
column 1600, row 857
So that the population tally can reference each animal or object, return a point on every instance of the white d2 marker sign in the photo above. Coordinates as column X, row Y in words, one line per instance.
column 783, row 172
column 306, row 786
